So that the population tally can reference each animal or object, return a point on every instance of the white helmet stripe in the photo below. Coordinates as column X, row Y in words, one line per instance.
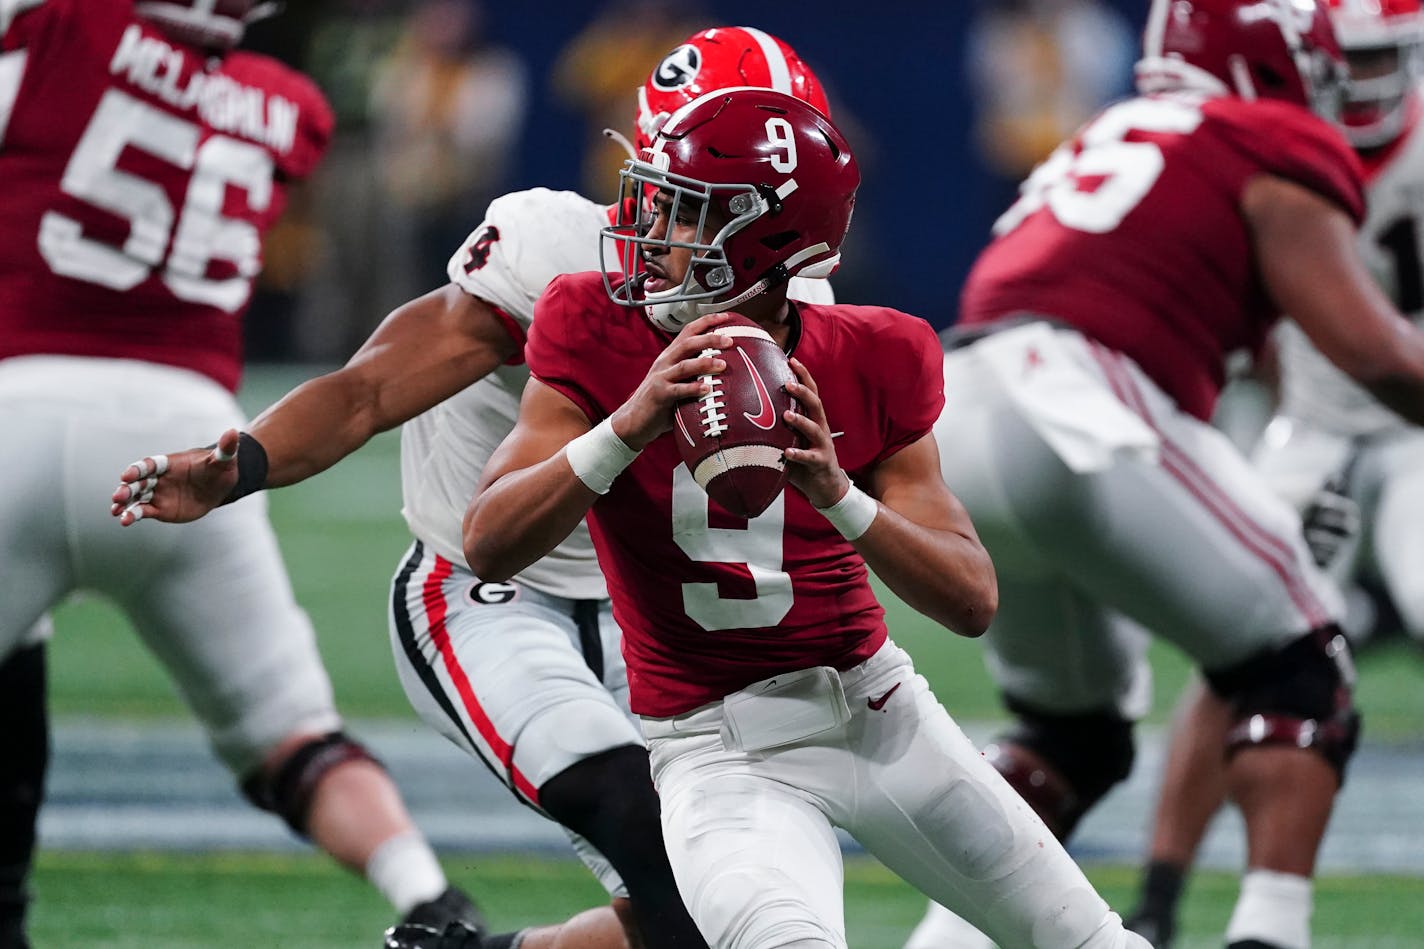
column 775, row 60
column 1156, row 29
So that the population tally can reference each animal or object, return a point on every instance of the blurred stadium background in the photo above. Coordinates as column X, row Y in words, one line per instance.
column 441, row 105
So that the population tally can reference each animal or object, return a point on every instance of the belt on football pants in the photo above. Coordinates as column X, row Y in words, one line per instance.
column 957, row 337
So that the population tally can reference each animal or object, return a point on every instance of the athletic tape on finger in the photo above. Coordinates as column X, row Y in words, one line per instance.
column 220, row 455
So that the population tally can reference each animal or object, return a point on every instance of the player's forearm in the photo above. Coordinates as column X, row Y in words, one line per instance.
column 523, row 515
column 940, row 573
column 313, row 427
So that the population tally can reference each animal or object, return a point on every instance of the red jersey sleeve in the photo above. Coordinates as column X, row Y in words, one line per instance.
column 20, row 18
column 1301, row 147
column 909, row 364
column 555, row 342
column 316, row 122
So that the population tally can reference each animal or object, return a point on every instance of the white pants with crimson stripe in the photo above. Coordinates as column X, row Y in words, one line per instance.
column 1108, row 511
column 507, row 674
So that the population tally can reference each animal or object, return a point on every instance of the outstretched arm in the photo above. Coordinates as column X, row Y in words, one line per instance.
column 912, row 531
column 421, row 354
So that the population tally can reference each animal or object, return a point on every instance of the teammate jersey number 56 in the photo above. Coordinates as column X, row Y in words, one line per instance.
column 1121, row 172
column 201, row 234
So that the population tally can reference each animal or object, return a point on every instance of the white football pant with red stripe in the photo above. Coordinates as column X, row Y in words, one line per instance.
column 528, row 683
column 1108, row 510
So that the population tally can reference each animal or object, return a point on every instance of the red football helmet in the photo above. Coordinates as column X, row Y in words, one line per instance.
column 1255, row 49
column 777, row 172
column 1383, row 42
column 210, row 24
column 722, row 58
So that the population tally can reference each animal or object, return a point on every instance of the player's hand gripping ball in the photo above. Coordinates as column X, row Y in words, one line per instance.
column 732, row 439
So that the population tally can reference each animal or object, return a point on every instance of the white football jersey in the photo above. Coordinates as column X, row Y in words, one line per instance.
column 1391, row 244
column 526, row 239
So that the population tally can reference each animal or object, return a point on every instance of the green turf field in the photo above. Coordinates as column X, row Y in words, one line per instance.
column 247, row 900
column 342, row 536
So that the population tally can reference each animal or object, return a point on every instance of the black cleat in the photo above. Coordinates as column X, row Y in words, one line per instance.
column 455, row 935
column 1158, row 930
column 451, row 906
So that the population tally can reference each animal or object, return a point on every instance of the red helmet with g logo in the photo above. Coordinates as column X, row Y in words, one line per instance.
column 1255, row 49
column 210, row 24
column 722, row 58
column 781, row 179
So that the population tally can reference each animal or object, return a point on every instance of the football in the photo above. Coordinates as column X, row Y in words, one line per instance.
column 732, row 439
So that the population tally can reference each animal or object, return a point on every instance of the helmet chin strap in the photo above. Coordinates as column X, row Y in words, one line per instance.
column 673, row 316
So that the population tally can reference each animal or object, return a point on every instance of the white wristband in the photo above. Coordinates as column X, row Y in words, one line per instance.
column 852, row 514
column 598, row 456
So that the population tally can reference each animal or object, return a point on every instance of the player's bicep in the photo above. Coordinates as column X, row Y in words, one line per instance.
column 548, row 420
column 1305, row 246
column 910, row 483
column 428, row 350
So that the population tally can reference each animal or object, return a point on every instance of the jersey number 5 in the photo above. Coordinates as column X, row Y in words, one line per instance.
column 1095, row 186
column 202, row 234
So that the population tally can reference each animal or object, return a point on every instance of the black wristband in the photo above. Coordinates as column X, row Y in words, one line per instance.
column 251, row 468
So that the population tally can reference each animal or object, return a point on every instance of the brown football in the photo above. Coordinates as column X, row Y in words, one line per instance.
column 732, row 439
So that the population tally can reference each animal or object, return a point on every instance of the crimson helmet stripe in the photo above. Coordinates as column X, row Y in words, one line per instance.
column 775, row 59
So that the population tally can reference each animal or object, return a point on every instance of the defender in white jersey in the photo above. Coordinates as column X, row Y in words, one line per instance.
column 1353, row 467
column 528, row 675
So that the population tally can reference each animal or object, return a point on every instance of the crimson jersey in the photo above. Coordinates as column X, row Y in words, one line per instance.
column 1132, row 232
column 139, row 179
column 708, row 602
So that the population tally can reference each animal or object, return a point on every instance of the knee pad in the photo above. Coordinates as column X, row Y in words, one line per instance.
column 609, row 799
column 288, row 791
column 1075, row 760
column 1300, row 696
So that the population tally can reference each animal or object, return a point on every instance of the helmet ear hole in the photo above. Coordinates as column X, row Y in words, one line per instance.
column 1269, row 78
column 779, row 240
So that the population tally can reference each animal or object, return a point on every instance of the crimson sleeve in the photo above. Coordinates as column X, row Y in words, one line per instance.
column 911, row 376
column 554, row 343
column 1291, row 142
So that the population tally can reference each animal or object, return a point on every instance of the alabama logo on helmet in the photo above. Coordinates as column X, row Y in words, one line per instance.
column 678, row 68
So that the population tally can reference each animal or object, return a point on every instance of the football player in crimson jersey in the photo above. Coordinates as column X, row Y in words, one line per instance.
column 142, row 162
column 774, row 704
column 527, row 676
column 1352, row 465
column 1174, row 228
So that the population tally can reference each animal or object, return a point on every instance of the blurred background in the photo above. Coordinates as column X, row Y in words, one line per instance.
column 442, row 104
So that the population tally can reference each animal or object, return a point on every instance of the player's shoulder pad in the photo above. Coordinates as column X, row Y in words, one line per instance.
column 541, row 233
column 894, row 347
column 315, row 119
column 572, row 322
column 1290, row 141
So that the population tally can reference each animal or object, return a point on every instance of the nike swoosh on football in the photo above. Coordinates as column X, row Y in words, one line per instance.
column 765, row 417
column 877, row 704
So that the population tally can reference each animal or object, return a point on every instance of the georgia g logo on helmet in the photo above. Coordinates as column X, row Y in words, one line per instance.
column 678, row 68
